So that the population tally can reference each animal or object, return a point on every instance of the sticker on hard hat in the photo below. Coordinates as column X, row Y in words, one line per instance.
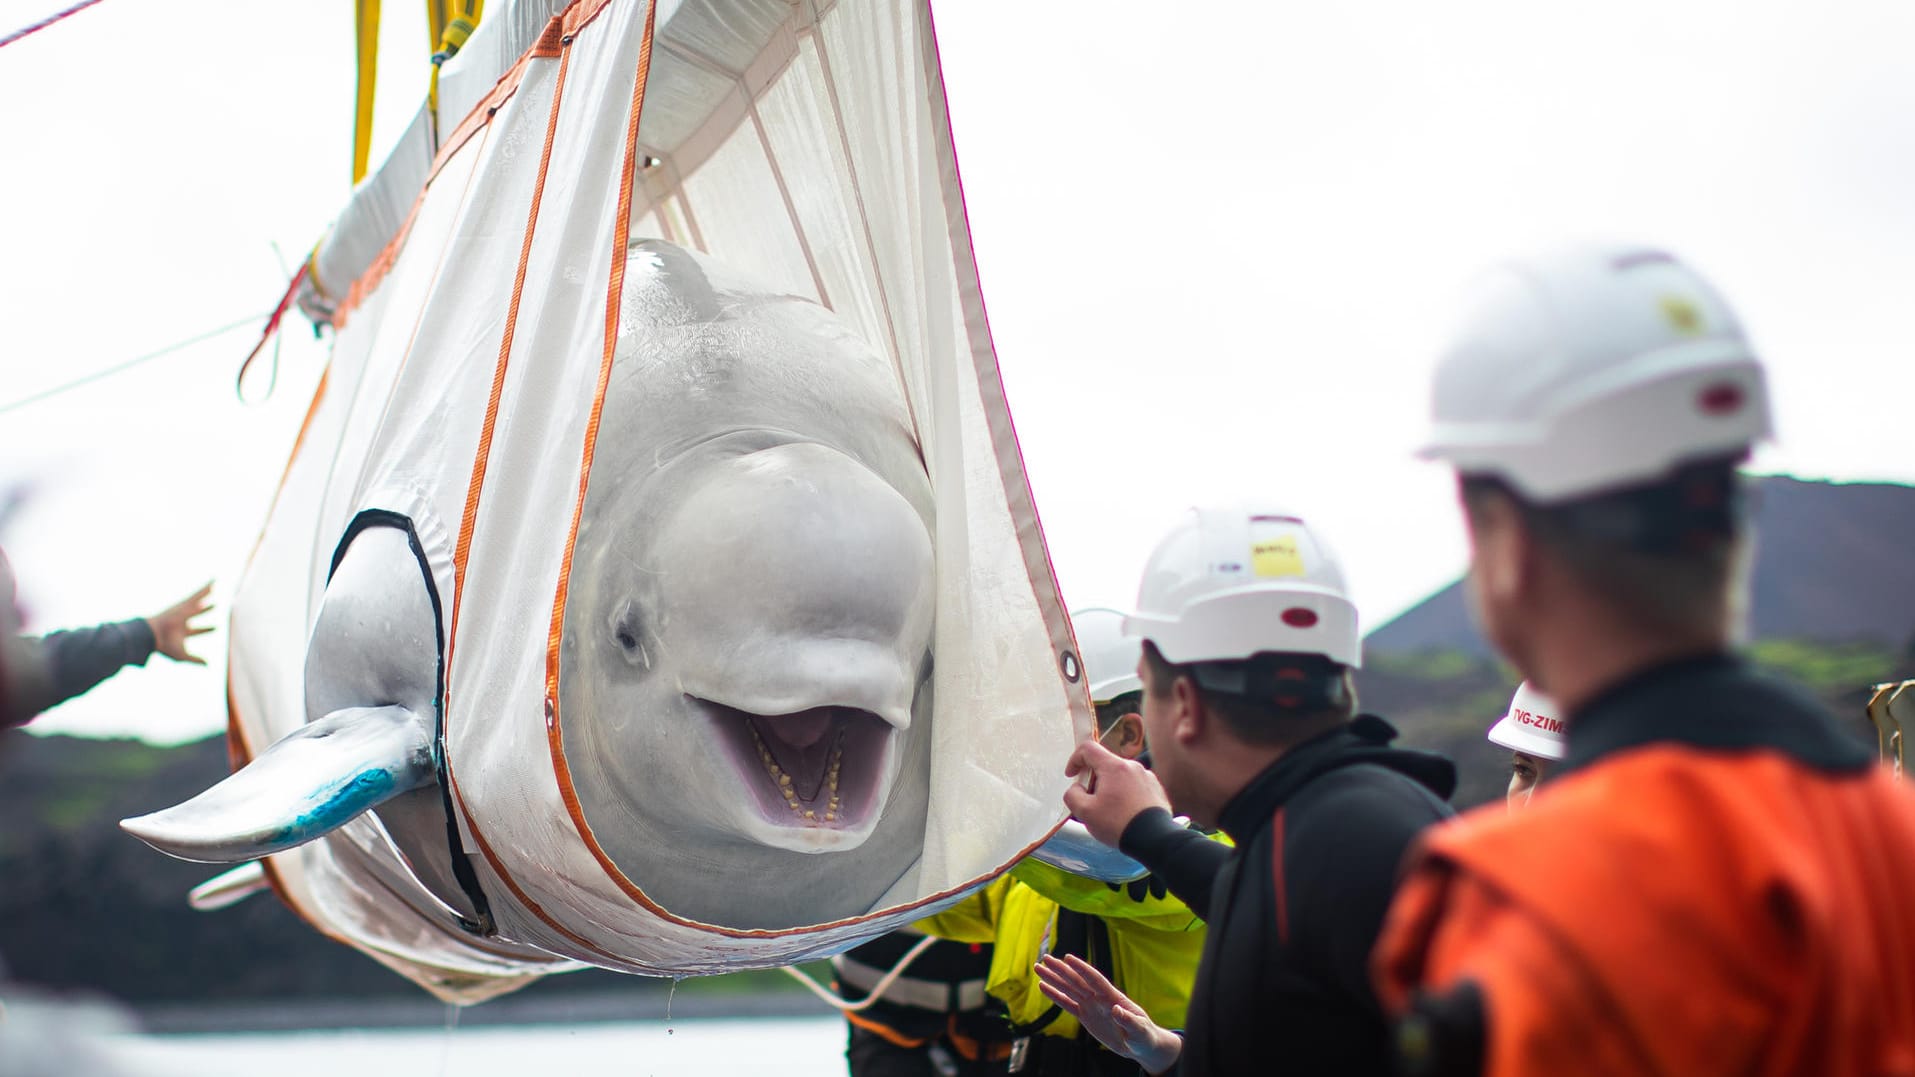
column 1276, row 557
column 1683, row 316
column 1546, row 724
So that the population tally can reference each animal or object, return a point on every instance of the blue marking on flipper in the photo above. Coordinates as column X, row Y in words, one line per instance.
column 341, row 804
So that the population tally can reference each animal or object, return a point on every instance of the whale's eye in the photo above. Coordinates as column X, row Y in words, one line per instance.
column 629, row 635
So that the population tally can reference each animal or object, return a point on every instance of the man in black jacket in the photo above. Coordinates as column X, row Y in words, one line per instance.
column 1249, row 643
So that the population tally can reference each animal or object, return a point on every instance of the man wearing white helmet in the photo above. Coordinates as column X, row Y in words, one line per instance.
column 1534, row 736
column 1719, row 879
column 1249, row 640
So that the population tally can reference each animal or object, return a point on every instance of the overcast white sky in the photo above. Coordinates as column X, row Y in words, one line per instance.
column 1218, row 250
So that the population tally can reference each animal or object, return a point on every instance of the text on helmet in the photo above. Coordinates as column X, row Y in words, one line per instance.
column 1276, row 557
column 1539, row 721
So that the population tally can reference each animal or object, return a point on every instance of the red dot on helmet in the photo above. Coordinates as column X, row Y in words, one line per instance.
column 1298, row 617
column 1722, row 398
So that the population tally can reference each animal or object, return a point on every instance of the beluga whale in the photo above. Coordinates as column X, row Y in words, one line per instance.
column 745, row 659
column 654, row 583
column 753, row 600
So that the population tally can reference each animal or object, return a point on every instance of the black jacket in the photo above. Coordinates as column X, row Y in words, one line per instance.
column 43, row 672
column 1284, row 986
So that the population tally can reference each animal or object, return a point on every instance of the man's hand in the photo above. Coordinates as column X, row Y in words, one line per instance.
column 1107, row 1013
column 173, row 626
column 1118, row 791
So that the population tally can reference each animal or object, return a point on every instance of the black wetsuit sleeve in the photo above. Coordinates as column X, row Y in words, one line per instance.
column 61, row 665
column 1342, row 859
column 1185, row 860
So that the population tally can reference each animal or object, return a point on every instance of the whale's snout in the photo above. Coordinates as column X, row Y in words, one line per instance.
column 794, row 577
column 798, row 592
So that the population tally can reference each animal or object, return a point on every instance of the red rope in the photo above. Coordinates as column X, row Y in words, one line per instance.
column 46, row 22
column 272, row 326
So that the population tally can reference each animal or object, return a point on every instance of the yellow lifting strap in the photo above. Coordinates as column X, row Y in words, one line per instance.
column 449, row 23
column 366, row 27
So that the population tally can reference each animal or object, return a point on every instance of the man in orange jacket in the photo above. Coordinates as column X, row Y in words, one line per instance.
column 1716, row 879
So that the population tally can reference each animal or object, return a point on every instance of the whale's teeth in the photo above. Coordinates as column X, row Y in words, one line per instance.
column 833, row 775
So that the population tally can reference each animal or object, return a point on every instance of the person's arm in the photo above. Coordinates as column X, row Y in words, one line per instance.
column 1108, row 1014
column 56, row 667
column 44, row 672
column 1120, row 793
column 1146, row 901
column 1186, row 861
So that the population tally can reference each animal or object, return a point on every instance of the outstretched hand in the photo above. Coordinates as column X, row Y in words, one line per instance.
column 173, row 626
column 1118, row 791
column 1107, row 1013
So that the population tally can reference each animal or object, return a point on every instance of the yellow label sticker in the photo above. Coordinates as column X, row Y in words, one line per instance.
column 1684, row 316
column 1276, row 557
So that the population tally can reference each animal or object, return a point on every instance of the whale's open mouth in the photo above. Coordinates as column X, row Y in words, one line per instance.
column 822, row 768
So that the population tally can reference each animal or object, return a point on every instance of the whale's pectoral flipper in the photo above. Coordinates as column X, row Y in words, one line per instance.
column 1073, row 849
column 229, row 887
column 312, row 782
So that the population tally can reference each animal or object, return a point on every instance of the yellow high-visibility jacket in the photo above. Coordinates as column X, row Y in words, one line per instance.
column 1155, row 940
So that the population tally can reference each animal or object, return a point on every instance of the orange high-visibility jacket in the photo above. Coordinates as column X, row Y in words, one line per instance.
column 1720, row 882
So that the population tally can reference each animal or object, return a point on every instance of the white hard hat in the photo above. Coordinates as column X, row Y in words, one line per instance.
column 1110, row 658
column 1533, row 725
column 1592, row 369
column 1228, row 583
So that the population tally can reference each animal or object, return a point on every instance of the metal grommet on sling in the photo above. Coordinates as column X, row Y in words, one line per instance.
column 1067, row 662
